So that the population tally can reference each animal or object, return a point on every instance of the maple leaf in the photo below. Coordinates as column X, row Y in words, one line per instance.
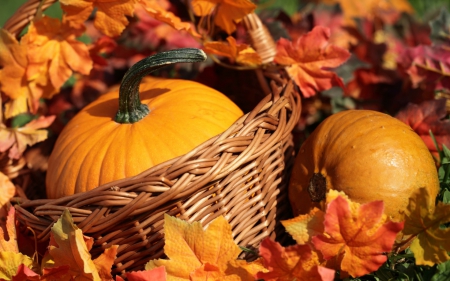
column 7, row 192
column 423, row 219
column 110, row 16
column 239, row 53
column 158, row 12
column 356, row 235
column 192, row 251
column 427, row 64
column 156, row 274
column 9, row 245
column 68, row 246
column 52, row 48
column 16, row 139
column 227, row 12
column 13, row 79
column 303, row 227
column 297, row 262
column 425, row 117
column 309, row 59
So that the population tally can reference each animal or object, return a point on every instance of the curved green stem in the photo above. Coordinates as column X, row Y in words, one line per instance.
column 131, row 109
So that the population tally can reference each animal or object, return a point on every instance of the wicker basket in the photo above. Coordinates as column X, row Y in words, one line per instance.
column 241, row 174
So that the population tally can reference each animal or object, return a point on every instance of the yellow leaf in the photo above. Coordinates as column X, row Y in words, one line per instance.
column 239, row 53
column 226, row 12
column 7, row 191
column 10, row 262
column 303, row 227
column 110, row 16
column 193, row 250
column 71, row 249
column 423, row 219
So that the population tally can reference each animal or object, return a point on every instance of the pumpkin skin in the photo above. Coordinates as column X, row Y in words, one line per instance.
column 366, row 154
column 94, row 149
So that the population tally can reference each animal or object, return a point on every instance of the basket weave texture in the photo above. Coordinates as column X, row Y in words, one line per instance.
column 241, row 174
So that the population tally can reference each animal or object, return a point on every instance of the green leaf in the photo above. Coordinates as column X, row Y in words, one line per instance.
column 443, row 272
column 446, row 197
column 290, row 7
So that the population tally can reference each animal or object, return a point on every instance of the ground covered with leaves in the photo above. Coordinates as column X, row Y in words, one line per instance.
column 384, row 55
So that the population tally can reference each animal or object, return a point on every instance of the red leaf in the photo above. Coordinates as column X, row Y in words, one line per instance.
column 310, row 59
column 156, row 274
column 24, row 274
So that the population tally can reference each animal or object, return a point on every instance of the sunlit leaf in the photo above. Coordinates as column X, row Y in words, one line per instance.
column 310, row 59
column 10, row 263
column 7, row 191
column 239, row 53
column 303, row 227
column 424, row 219
column 9, row 243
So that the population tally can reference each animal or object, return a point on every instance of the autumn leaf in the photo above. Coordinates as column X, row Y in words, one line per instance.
column 16, row 139
column 10, row 263
column 156, row 274
column 387, row 10
column 158, row 12
column 239, row 53
column 424, row 219
column 68, row 246
column 110, row 16
column 226, row 12
column 9, row 245
column 303, row 227
column 52, row 48
column 13, row 79
column 25, row 274
column 297, row 262
column 427, row 64
column 193, row 251
column 356, row 235
column 7, row 191
column 428, row 116
column 310, row 59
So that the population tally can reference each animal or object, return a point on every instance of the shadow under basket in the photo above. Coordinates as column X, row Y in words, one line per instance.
column 241, row 174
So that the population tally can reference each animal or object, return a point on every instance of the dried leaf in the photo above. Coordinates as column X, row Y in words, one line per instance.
column 303, row 227
column 158, row 12
column 423, row 218
column 429, row 115
column 10, row 263
column 226, row 13
column 13, row 80
column 239, row 53
column 69, row 247
column 357, row 235
column 7, row 191
column 17, row 139
column 25, row 274
column 9, row 245
column 297, row 262
column 110, row 16
column 53, row 49
column 192, row 250
column 156, row 274
column 309, row 59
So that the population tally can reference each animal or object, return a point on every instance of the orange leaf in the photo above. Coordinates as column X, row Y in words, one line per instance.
column 297, row 262
column 357, row 235
column 303, row 227
column 9, row 245
column 54, row 50
column 25, row 274
column 7, row 191
column 105, row 261
column 309, row 59
column 239, row 53
column 195, row 251
column 154, row 9
column 110, row 16
column 423, row 218
column 13, row 79
column 227, row 13
column 17, row 139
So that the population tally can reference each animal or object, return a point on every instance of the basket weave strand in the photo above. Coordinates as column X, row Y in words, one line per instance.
column 241, row 174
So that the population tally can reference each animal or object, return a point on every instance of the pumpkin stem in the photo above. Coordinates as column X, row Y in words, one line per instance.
column 131, row 109
column 317, row 188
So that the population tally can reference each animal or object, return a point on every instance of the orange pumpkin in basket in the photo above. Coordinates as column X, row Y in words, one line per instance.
column 366, row 154
column 117, row 136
